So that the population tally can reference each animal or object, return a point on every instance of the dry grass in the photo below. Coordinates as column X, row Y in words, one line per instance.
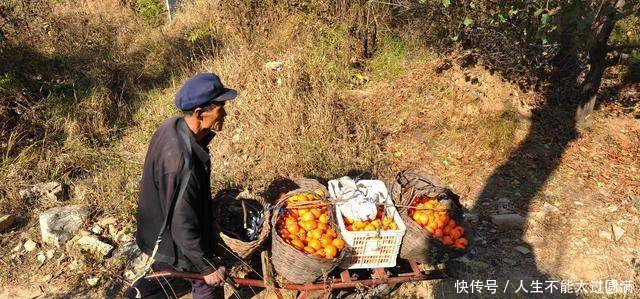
column 120, row 78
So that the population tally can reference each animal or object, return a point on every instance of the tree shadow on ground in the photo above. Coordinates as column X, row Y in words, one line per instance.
column 520, row 179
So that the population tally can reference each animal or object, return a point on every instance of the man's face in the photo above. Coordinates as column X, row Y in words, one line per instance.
column 213, row 118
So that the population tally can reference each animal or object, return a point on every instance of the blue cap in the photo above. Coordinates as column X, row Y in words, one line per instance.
column 202, row 89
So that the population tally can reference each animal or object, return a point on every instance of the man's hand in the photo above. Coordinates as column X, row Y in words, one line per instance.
column 216, row 278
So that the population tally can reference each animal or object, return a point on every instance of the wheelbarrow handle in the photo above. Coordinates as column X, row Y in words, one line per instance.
column 188, row 275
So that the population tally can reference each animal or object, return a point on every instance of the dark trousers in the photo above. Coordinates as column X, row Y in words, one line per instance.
column 173, row 287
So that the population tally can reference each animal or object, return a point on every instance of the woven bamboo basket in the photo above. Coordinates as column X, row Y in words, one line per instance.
column 417, row 244
column 291, row 264
column 234, row 248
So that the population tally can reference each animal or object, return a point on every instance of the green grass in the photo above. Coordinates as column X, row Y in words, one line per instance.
column 389, row 60
column 150, row 10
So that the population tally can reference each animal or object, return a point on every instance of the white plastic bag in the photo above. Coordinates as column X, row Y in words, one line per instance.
column 357, row 201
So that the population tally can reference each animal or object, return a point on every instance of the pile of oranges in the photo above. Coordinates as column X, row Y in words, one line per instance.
column 308, row 229
column 380, row 222
column 432, row 216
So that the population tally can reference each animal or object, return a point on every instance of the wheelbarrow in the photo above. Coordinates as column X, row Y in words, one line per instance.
column 343, row 280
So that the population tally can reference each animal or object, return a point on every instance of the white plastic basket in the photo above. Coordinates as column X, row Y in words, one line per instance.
column 371, row 249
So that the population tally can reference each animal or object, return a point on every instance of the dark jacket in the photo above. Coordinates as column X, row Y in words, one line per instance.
column 188, row 241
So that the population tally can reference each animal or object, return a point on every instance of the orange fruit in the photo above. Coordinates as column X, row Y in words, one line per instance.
column 302, row 234
column 315, row 234
column 316, row 212
column 460, row 228
column 308, row 225
column 315, row 244
column 422, row 219
column 323, row 218
column 307, row 217
column 349, row 228
column 376, row 223
column 348, row 220
column 438, row 233
column 320, row 253
column 358, row 225
column 455, row 234
column 322, row 226
column 447, row 230
column 452, row 223
column 326, row 240
column 293, row 228
column 289, row 221
column 369, row 227
column 330, row 251
column 331, row 232
column 297, row 244
column 447, row 240
column 309, row 249
column 387, row 220
column 461, row 243
column 338, row 243
column 393, row 226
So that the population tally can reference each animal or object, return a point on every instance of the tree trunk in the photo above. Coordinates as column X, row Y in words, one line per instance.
column 597, row 60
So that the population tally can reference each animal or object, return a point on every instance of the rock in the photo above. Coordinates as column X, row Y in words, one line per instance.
column 93, row 281
column 58, row 224
column 274, row 65
column 41, row 257
column 50, row 253
column 97, row 229
column 6, row 221
column 471, row 217
column 29, row 245
column 550, row 209
column 507, row 221
column 124, row 236
column 51, row 191
column 93, row 245
column 509, row 261
column 617, row 232
column 522, row 249
column 130, row 256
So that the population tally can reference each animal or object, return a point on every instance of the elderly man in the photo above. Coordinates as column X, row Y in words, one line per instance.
column 174, row 217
